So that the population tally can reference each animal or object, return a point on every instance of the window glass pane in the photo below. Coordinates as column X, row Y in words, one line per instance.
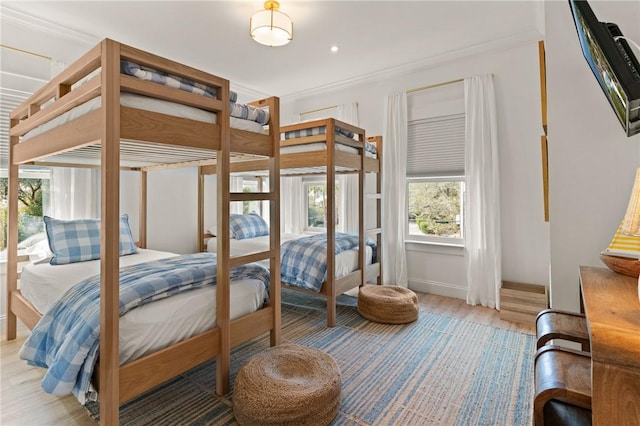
column 435, row 209
column 30, row 195
column 317, row 205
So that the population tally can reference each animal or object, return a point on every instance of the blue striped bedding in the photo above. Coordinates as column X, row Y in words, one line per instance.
column 304, row 260
column 321, row 130
column 246, row 112
column 66, row 339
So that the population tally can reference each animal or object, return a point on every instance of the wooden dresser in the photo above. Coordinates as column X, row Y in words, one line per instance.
column 610, row 302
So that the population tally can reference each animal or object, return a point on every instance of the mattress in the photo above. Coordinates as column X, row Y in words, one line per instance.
column 148, row 328
column 146, row 103
column 346, row 261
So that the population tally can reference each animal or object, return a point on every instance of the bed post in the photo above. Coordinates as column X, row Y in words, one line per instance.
column 142, row 227
column 109, row 235
column 331, row 224
column 274, row 217
column 362, row 236
column 12, row 236
column 223, row 310
column 201, row 245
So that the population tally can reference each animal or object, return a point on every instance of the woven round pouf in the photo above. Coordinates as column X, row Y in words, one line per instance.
column 388, row 304
column 287, row 385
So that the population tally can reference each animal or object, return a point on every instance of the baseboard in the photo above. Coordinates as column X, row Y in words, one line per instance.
column 439, row 288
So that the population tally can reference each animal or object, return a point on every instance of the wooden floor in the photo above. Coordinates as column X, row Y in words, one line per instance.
column 23, row 403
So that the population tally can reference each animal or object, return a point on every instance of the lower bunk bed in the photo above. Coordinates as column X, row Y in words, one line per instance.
column 167, row 325
column 303, row 256
column 325, row 147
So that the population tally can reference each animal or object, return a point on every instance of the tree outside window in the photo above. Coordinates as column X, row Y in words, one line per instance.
column 435, row 209
column 30, row 209
column 317, row 205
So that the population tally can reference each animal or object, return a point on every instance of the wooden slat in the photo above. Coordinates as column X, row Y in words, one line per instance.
column 251, row 326
column 171, row 94
column 82, row 94
column 87, row 63
column 148, row 372
column 252, row 196
column 246, row 142
column 161, row 128
column 24, row 310
column 84, row 130
column 248, row 258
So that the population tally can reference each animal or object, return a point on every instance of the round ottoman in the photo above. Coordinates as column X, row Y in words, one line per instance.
column 287, row 385
column 388, row 304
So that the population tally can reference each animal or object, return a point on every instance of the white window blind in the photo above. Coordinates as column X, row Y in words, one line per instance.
column 436, row 146
column 9, row 99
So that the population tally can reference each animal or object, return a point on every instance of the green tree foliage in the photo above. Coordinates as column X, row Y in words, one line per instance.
column 29, row 208
column 435, row 207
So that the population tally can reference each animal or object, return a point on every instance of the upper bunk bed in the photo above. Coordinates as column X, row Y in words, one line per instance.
column 328, row 147
column 96, row 113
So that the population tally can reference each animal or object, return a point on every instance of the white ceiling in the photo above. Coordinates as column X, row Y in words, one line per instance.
column 373, row 36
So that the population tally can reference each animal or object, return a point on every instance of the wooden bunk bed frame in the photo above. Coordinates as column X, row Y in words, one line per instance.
column 326, row 162
column 109, row 128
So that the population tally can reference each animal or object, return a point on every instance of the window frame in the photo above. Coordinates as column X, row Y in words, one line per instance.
column 318, row 182
column 429, row 239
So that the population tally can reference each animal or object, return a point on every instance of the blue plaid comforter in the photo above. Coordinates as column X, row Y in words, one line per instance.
column 66, row 339
column 245, row 112
column 304, row 260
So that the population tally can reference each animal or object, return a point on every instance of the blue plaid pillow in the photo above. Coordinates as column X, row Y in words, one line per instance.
column 250, row 225
column 79, row 240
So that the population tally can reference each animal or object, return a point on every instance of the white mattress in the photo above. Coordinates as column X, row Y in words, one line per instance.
column 153, row 326
column 346, row 261
column 149, row 104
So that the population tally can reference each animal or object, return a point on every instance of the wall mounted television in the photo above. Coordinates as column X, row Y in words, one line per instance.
column 613, row 63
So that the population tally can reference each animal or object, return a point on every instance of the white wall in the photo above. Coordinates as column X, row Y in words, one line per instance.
column 591, row 162
column 525, row 235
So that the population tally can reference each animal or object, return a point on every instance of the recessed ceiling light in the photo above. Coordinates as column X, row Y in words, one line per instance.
column 334, row 49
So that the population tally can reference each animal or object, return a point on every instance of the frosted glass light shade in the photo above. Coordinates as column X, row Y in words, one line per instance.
column 270, row 26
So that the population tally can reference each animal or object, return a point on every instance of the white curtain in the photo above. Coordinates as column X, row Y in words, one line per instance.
column 394, row 167
column 75, row 193
column 483, row 251
column 348, row 184
column 292, row 214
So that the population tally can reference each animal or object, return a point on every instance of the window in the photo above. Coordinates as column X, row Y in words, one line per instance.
column 435, row 176
column 435, row 209
column 252, row 185
column 33, row 189
column 316, row 205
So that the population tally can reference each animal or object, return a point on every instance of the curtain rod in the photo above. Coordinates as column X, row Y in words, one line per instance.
column 319, row 109
column 432, row 86
column 15, row 49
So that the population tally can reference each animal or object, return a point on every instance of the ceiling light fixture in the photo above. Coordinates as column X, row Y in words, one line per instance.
column 270, row 26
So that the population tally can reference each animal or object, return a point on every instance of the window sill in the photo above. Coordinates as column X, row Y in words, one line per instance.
column 455, row 249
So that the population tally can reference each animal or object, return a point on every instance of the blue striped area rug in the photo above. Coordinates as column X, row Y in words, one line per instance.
column 436, row 371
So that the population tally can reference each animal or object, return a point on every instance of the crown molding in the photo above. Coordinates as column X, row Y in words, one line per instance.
column 44, row 26
column 425, row 63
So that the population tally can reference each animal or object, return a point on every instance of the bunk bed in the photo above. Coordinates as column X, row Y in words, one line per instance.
column 325, row 147
column 121, row 133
